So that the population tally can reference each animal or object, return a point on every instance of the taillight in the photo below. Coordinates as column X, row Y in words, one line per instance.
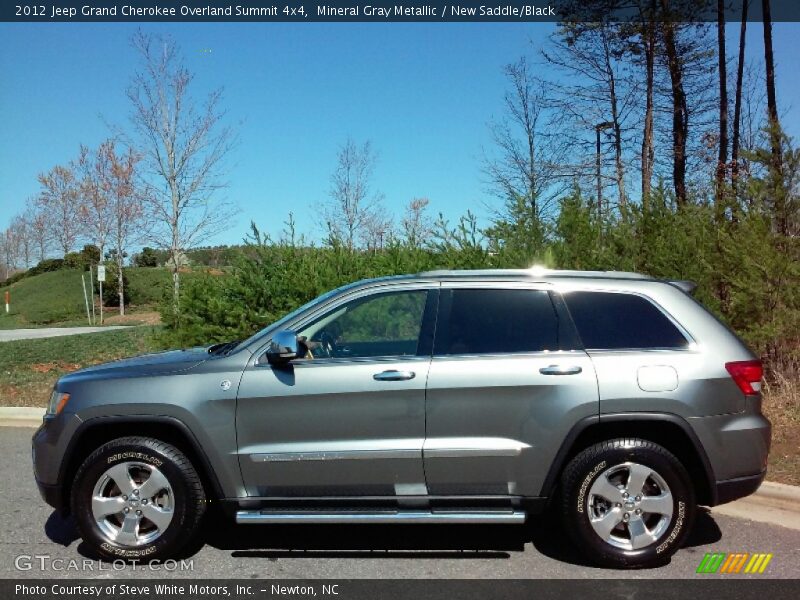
column 747, row 375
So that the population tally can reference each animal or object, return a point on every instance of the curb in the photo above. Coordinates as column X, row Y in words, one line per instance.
column 20, row 416
column 779, row 494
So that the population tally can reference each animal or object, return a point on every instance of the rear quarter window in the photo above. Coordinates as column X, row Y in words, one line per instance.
column 618, row 321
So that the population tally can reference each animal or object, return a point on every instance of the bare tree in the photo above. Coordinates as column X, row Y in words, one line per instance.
column 58, row 200
column 38, row 228
column 417, row 226
column 9, row 251
column 22, row 236
column 529, row 165
column 353, row 206
column 94, row 206
column 118, row 181
column 183, row 145
column 378, row 230
column 597, row 92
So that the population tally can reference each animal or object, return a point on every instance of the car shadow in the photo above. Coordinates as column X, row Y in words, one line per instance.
column 61, row 530
column 550, row 539
column 489, row 542
column 367, row 541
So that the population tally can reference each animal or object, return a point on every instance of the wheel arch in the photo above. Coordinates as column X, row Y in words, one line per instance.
column 666, row 429
column 93, row 433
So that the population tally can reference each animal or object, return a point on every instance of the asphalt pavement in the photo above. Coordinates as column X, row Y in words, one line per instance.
column 8, row 335
column 33, row 536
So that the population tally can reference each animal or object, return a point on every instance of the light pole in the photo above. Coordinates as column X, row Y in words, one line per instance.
column 598, row 128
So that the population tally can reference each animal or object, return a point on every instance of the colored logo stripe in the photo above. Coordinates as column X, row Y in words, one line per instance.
column 722, row 562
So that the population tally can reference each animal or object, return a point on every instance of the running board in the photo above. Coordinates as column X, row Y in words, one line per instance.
column 256, row 517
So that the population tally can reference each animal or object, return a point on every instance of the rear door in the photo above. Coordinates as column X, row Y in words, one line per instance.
column 506, row 383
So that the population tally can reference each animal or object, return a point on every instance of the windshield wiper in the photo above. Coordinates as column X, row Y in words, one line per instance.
column 223, row 348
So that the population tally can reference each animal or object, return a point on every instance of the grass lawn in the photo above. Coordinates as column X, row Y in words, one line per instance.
column 56, row 298
column 46, row 298
column 29, row 368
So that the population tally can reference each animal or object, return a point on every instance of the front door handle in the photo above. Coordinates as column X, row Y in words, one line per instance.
column 560, row 370
column 394, row 375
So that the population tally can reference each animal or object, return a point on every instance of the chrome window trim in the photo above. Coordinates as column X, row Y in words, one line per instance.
column 565, row 289
column 552, row 354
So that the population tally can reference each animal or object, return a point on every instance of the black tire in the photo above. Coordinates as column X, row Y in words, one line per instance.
column 587, row 467
column 188, row 501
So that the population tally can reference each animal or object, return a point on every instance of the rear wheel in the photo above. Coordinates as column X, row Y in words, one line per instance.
column 627, row 503
column 137, row 498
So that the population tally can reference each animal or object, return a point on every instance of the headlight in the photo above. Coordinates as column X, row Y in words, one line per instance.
column 58, row 400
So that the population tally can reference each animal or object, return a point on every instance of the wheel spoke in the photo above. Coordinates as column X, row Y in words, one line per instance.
column 640, row 536
column 102, row 507
column 160, row 517
column 660, row 505
column 154, row 484
column 604, row 488
column 603, row 525
column 122, row 477
column 637, row 476
column 129, row 532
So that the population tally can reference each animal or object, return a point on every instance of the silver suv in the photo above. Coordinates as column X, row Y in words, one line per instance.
column 612, row 398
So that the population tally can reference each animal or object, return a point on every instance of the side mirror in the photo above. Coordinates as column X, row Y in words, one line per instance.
column 282, row 348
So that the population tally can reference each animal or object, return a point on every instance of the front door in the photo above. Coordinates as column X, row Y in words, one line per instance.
column 348, row 419
column 507, row 382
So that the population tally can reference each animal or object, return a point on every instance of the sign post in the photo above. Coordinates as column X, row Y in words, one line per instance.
column 86, row 299
column 101, row 277
column 8, row 300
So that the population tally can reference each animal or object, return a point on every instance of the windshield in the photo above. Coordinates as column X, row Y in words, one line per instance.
column 261, row 334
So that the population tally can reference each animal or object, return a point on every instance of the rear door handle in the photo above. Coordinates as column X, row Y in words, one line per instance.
column 560, row 370
column 394, row 375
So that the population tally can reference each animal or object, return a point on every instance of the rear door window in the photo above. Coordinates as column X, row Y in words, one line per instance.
column 618, row 321
column 490, row 321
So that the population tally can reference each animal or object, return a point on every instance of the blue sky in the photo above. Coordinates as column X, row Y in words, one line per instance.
column 422, row 93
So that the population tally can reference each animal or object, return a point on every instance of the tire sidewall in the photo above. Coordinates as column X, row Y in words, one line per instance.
column 675, row 476
column 104, row 459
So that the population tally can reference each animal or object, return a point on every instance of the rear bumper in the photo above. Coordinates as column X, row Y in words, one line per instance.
column 737, row 445
column 733, row 489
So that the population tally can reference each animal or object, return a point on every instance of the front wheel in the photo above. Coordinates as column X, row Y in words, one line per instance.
column 627, row 503
column 137, row 498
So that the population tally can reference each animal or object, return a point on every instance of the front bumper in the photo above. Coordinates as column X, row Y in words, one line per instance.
column 49, row 446
column 52, row 494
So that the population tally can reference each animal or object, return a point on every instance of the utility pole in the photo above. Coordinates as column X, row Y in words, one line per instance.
column 598, row 128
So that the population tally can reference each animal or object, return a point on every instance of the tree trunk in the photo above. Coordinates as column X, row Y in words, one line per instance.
column 680, row 120
column 772, row 103
column 612, row 92
column 737, row 104
column 648, row 151
column 722, row 158
column 774, row 123
column 120, row 283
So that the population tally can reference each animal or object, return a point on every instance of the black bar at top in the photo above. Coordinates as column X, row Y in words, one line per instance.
column 339, row 11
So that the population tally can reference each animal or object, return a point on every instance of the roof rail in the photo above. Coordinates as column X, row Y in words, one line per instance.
column 684, row 285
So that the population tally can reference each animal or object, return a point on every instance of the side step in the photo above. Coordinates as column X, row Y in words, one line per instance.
column 257, row 517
